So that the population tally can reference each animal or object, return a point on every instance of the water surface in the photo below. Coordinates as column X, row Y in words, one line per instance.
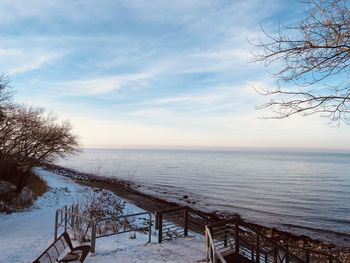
column 306, row 193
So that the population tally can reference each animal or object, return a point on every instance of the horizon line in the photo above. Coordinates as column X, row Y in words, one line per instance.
column 221, row 148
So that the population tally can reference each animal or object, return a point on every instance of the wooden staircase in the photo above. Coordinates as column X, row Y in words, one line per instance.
column 233, row 258
column 234, row 241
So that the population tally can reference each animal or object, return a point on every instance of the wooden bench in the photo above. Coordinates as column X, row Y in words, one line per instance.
column 62, row 250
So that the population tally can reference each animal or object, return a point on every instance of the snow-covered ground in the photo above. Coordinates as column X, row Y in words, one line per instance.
column 24, row 235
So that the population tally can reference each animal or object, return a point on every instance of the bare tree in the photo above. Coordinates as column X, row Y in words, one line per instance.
column 30, row 136
column 5, row 94
column 312, row 60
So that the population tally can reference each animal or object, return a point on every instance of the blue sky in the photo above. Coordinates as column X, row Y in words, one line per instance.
column 153, row 73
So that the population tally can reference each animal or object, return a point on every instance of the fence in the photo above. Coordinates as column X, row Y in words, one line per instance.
column 236, row 240
column 176, row 222
column 69, row 218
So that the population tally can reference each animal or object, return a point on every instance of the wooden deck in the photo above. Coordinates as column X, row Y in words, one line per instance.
column 233, row 258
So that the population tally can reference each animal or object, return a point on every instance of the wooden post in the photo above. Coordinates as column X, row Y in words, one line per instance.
column 237, row 239
column 207, row 244
column 160, row 228
column 150, row 229
column 225, row 238
column 287, row 254
column 186, row 222
column 307, row 259
column 72, row 218
column 156, row 220
column 330, row 259
column 56, row 224
column 257, row 259
column 65, row 218
column 93, row 238
column 275, row 252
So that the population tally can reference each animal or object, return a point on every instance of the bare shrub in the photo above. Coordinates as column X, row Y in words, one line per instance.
column 95, row 205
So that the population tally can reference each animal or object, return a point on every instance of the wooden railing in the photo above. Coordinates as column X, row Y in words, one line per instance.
column 175, row 222
column 212, row 254
column 237, row 239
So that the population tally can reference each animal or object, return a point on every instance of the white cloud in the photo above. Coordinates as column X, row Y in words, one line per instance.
column 137, row 44
column 216, row 96
column 104, row 85
column 15, row 61
column 226, row 55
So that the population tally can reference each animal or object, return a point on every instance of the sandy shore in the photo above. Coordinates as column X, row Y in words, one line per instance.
column 129, row 191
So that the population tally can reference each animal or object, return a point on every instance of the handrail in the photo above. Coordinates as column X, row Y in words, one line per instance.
column 254, row 229
column 211, row 248
column 163, row 227
column 258, row 234
column 129, row 230
column 309, row 251
column 67, row 221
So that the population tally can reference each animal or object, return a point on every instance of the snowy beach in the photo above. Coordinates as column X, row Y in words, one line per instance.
column 25, row 235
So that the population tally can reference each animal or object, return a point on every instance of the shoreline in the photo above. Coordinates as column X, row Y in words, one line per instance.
column 129, row 191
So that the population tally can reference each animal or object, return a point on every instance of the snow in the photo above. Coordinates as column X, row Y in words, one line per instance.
column 138, row 250
column 25, row 235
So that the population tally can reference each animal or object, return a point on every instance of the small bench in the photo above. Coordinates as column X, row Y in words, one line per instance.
column 62, row 250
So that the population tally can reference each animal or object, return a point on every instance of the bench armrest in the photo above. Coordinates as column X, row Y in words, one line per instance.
column 85, row 251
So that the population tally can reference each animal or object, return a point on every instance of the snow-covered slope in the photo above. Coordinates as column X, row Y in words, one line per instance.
column 24, row 235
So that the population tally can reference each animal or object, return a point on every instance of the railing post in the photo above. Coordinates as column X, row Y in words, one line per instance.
column 275, row 255
column 186, row 222
column 56, row 223
column 330, row 259
column 237, row 238
column 257, row 259
column 150, row 229
column 225, row 238
column 72, row 218
column 76, row 210
column 207, row 250
column 93, row 237
column 65, row 218
column 156, row 220
column 307, row 257
column 160, row 228
column 287, row 253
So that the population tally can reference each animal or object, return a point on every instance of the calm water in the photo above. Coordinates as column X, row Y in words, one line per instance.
column 300, row 192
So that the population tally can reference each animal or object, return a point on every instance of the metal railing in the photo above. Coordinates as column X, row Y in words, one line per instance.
column 68, row 218
column 238, row 239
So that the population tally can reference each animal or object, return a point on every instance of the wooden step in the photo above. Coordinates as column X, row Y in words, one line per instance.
column 233, row 258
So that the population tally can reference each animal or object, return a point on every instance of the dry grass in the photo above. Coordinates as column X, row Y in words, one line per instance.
column 38, row 185
column 12, row 200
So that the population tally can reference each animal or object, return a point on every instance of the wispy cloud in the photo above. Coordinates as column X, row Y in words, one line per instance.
column 15, row 61
column 216, row 96
column 104, row 85
column 145, row 71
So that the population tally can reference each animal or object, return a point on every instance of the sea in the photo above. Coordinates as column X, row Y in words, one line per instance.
column 302, row 192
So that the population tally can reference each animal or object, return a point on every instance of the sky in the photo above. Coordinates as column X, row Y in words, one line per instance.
column 154, row 74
